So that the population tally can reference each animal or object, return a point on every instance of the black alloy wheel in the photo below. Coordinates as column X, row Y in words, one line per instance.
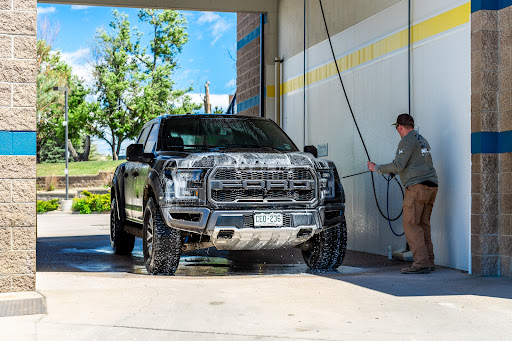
column 161, row 243
column 121, row 241
column 327, row 248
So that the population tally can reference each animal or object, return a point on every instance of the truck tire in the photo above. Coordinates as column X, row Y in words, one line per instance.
column 121, row 241
column 161, row 243
column 327, row 248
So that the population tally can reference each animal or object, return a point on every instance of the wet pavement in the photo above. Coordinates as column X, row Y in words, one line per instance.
column 70, row 249
column 93, row 294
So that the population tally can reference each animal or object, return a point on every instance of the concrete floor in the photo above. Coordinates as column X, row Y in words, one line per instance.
column 95, row 295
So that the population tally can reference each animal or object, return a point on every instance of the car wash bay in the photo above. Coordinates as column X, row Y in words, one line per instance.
column 460, row 98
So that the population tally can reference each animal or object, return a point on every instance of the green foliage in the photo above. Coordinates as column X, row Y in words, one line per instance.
column 52, row 151
column 218, row 110
column 134, row 82
column 45, row 206
column 53, row 71
column 92, row 202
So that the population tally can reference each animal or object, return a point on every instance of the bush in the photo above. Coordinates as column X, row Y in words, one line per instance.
column 92, row 202
column 45, row 206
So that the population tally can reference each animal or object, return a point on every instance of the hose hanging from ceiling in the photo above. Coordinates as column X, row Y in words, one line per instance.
column 390, row 178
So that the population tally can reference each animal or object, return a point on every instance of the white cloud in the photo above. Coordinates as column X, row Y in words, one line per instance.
column 219, row 100
column 230, row 84
column 79, row 7
column 217, row 25
column 208, row 17
column 46, row 10
column 79, row 65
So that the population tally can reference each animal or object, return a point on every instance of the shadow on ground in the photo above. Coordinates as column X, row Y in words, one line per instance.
column 93, row 254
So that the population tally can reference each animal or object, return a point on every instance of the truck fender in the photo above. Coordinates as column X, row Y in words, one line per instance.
column 153, row 187
column 118, row 192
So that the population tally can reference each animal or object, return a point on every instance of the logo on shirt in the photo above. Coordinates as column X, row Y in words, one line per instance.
column 425, row 151
column 400, row 151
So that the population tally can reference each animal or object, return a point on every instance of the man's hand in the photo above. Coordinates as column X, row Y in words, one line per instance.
column 371, row 166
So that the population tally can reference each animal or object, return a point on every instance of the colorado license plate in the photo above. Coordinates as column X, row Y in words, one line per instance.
column 268, row 219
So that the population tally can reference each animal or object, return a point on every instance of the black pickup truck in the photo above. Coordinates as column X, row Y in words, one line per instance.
column 225, row 181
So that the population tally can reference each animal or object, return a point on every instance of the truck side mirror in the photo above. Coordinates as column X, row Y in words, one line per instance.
column 135, row 152
column 311, row 150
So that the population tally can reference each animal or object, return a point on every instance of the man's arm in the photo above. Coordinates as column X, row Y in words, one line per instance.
column 402, row 156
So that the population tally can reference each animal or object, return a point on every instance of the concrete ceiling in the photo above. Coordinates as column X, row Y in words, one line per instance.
column 256, row 6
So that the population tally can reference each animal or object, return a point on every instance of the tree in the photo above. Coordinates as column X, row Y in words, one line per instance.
column 134, row 83
column 52, row 72
column 218, row 110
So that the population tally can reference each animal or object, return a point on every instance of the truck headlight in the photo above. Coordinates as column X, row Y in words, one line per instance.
column 186, row 183
column 326, row 184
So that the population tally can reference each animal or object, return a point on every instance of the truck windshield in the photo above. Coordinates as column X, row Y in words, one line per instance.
column 215, row 132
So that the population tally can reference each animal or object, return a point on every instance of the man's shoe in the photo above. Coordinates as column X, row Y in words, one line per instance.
column 414, row 270
column 432, row 268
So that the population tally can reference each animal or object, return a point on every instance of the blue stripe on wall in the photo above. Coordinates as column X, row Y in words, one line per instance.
column 477, row 5
column 251, row 102
column 248, row 38
column 17, row 143
column 491, row 142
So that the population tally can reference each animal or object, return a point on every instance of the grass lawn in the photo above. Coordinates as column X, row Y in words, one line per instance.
column 77, row 168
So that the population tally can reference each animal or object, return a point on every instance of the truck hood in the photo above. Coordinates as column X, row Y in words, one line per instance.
column 246, row 159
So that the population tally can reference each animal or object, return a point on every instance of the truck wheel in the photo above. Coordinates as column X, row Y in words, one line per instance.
column 161, row 244
column 121, row 241
column 327, row 248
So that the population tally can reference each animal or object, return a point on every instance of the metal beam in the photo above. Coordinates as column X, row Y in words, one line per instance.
column 260, row 6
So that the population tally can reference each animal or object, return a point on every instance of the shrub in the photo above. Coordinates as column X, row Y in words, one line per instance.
column 92, row 202
column 45, row 206
column 50, row 182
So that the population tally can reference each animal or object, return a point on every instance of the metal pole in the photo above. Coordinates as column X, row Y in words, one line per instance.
column 66, row 141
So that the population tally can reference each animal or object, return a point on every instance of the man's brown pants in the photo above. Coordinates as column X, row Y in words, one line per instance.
column 418, row 203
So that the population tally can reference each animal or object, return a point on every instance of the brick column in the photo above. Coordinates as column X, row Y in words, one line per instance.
column 248, row 64
column 505, row 129
column 491, row 128
column 17, row 145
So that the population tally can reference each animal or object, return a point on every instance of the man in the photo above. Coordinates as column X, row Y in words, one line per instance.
column 413, row 163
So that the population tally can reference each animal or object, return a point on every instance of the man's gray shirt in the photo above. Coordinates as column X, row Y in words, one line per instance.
column 413, row 162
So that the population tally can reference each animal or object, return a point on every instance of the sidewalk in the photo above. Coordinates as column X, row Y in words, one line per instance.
column 93, row 294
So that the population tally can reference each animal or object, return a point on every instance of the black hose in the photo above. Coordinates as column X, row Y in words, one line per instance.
column 409, row 57
column 304, row 78
column 355, row 122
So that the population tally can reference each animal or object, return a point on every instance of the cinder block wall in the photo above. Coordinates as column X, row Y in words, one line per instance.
column 491, row 127
column 248, row 64
column 17, row 145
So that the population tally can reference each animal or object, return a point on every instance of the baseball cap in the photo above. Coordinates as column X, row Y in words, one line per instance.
column 404, row 120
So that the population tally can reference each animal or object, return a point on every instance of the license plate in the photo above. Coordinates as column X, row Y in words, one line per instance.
column 268, row 219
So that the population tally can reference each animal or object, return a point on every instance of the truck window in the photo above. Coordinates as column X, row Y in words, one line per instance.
column 152, row 138
column 143, row 134
column 223, row 132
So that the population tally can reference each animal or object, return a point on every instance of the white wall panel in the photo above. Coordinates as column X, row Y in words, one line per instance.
column 378, row 93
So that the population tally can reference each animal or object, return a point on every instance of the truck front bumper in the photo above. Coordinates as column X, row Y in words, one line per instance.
column 235, row 229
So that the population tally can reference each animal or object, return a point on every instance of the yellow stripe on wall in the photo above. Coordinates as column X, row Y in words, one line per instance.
column 428, row 28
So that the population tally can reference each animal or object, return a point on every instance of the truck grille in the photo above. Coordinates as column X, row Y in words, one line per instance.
column 231, row 186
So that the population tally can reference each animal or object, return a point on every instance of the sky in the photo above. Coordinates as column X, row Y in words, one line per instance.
column 207, row 56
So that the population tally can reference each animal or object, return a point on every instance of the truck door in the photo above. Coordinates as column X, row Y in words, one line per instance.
column 130, row 176
column 142, row 170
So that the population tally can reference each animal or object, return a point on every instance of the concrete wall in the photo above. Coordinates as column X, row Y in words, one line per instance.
column 17, row 145
column 491, row 126
column 372, row 55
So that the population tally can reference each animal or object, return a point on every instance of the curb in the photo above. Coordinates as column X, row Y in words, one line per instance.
column 22, row 303
column 59, row 212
